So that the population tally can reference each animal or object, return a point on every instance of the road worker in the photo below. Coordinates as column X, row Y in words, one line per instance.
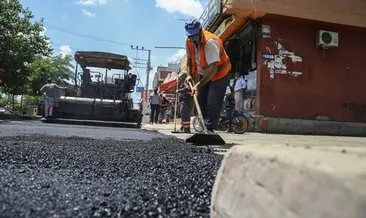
column 208, row 67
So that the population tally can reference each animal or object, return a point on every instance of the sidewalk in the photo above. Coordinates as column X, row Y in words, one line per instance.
column 292, row 126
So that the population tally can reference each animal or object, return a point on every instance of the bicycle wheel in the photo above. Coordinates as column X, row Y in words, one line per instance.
column 222, row 125
column 197, row 124
column 239, row 124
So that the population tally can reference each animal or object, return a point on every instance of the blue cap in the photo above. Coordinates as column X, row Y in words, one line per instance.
column 193, row 27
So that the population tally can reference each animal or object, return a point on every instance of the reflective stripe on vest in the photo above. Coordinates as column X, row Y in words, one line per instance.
column 223, row 66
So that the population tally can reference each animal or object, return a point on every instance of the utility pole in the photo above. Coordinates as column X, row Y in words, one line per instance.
column 140, row 63
column 148, row 68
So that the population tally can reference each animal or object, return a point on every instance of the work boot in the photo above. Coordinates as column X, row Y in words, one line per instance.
column 210, row 132
column 185, row 130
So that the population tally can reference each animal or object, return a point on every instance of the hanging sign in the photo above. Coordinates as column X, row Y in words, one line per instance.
column 268, row 56
column 139, row 89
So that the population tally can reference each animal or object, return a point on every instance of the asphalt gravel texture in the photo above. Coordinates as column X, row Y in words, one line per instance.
column 46, row 176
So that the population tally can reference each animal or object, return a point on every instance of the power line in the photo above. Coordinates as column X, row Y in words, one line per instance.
column 57, row 44
column 139, row 83
column 133, row 64
column 170, row 47
column 60, row 29
column 51, row 26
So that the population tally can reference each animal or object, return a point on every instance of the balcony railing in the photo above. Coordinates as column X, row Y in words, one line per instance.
column 211, row 13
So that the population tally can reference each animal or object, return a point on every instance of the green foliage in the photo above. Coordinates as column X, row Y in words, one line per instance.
column 3, row 102
column 30, row 101
column 57, row 68
column 20, row 41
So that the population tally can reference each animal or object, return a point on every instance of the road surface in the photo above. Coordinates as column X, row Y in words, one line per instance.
column 53, row 170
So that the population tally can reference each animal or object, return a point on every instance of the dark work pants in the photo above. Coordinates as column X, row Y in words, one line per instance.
column 154, row 114
column 211, row 98
column 186, row 105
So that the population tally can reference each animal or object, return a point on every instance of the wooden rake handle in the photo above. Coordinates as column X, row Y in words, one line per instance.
column 198, row 107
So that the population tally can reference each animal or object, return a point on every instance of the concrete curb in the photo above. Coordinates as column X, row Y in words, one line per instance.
column 9, row 117
column 285, row 182
column 4, row 121
column 310, row 127
column 17, row 118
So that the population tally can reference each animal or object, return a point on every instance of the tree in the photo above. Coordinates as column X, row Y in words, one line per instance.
column 20, row 42
column 57, row 68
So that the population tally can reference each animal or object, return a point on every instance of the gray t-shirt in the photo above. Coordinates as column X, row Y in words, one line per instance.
column 155, row 99
column 51, row 90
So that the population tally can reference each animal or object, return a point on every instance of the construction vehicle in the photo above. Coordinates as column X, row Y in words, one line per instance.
column 99, row 98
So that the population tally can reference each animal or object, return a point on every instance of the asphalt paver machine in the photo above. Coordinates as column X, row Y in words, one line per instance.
column 101, row 94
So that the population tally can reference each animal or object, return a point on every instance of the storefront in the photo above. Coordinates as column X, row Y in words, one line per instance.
column 242, row 48
column 297, row 67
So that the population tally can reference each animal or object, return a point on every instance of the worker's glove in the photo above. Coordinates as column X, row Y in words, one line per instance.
column 188, row 78
column 194, row 90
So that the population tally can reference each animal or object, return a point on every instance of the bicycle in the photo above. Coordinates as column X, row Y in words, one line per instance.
column 237, row 121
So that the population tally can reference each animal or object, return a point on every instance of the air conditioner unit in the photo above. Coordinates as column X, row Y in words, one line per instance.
column 327, row 38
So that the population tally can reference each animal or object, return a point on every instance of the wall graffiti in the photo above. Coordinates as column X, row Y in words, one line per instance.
column 358, row 111
column 282, row 62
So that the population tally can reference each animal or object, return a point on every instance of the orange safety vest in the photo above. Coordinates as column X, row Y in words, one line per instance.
column 223, row 66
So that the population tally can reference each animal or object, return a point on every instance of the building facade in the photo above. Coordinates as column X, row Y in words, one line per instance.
column 160, row 75
column 302, row 59
column 163, row 75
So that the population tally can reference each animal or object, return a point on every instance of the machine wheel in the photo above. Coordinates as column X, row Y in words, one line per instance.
column 239, row 124
column 197, row 124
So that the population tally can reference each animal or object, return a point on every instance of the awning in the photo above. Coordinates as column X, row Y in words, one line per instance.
column 167, row 86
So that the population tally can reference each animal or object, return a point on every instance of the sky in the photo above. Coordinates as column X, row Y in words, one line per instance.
column 94, row 24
